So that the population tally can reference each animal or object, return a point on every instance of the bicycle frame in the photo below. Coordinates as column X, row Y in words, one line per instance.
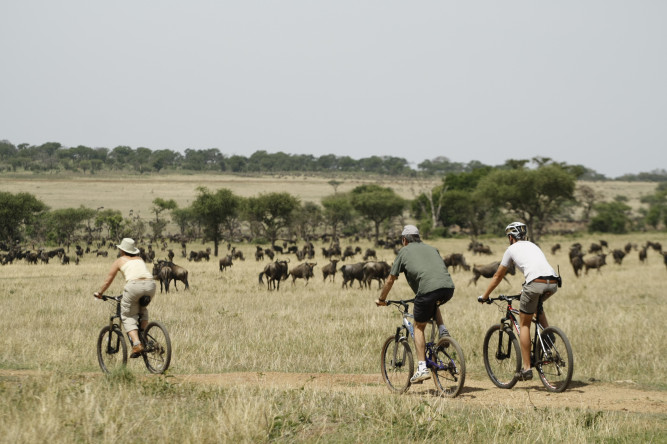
column 510, row 318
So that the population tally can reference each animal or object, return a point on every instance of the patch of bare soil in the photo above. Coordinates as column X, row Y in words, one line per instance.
column 618, row 396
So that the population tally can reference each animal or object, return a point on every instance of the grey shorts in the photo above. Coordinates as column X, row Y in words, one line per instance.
column 534, row 292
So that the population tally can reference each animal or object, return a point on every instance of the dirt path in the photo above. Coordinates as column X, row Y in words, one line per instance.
column 618, row 396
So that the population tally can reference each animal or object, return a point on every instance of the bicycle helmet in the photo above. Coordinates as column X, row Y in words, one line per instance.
column 517, row 230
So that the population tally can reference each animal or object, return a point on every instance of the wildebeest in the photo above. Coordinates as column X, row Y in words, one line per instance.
column 595, row 248
column 102, row 253
column 618, row 255
column 352, row 272
column 178, row 273
column 65, row 259
column 165, row 275
column 238, row 254
column 376, row 270
column 489, row 270
column 595, row 262
column 275, row 272
column 226, row 262
column 657, row 246
column 330, row 270
column 350, row 252
column 269, row 253
column 455, row 260
column 642, row 255
column 370, row 253
column 664, row 256
column 259, row 254
column 555, row 248
column 302, row 271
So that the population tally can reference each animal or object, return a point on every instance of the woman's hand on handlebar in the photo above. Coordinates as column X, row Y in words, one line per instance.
column 97, row 295
column 380, row 303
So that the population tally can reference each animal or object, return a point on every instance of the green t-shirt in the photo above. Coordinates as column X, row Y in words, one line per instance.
column 424, row 269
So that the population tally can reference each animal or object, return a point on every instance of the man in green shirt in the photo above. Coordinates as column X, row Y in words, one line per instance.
column 427, row 275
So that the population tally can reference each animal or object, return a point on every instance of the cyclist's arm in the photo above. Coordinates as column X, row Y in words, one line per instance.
column 385, row 290
column 115, row 267
column 495, row 280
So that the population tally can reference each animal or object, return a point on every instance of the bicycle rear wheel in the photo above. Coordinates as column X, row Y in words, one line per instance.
column 157, row 348
column 396, row 364
column 450, row 374
column 502, row 356
column 111, row 349
column 555, row 362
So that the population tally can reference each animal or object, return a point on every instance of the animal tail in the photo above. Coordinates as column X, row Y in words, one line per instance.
column 260, row 277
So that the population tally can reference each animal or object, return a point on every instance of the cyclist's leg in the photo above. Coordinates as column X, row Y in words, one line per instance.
column 420, row 341
column 530, row 297
column 524, row 338
column 448, row 293
column 542, row 317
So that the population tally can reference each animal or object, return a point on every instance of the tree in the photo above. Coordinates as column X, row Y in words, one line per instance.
column 338, row 210
column 534, row 196
column 306, row 219
column 216, row 212
column 184, row 218
column 272, row 211
column 587, row 198
column 159, row 206
column 611, row 217
column 62, row 224
column 377, row 204
column 657, row 206
column 113, row 221
column 16, row 212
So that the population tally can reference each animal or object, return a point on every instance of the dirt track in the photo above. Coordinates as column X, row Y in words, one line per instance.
column 619, row 396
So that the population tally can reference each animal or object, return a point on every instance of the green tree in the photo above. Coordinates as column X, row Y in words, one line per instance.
column 159, row 206
column 16, row 212
column 338, row 211
column 377, row 204
column 657, row 207
column 113, row 221
column 306, row 220
column 216, row 212
column 534, row 196
column 611, row 217
column 272, row 211
column 62, row 224
column 185, row 218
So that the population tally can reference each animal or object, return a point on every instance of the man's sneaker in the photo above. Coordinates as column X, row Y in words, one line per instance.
column 136, row 350
column 420, row 375
column 444, row 332
column 526, row 375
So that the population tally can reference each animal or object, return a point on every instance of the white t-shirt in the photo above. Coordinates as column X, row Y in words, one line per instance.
column 529, row 259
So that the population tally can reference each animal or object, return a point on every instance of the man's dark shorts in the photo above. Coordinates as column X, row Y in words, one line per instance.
column 426, row 304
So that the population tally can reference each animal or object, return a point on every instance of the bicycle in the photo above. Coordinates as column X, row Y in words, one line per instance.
column 550, row 354
column 112, row 348
column 445, row 358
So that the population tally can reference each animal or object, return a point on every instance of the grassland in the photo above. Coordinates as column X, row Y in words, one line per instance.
column 228, row 323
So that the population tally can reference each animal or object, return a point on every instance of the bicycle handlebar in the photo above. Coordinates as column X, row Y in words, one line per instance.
column 105, row 297
column 505, row 298
column 403, row 303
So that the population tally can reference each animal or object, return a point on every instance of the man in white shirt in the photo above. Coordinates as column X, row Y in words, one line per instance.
column 541, row 282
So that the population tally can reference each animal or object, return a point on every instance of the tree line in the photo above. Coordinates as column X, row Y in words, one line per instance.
column 52, row 156
column 475, row 203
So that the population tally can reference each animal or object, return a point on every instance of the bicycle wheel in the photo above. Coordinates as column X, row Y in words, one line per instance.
column 111, row 349
column 157, row 348
column 396, row 364
column 555, row 362
column 450, row 374
column 502, row 356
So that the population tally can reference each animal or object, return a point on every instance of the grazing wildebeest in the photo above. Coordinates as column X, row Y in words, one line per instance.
column 642, row 255
column 65, row 259
column 555, row 248
column 618, row 256
column 350, row 252
column 595, row 248
column 178, row 273
column 302, row 271
column 170, row 255
column 603, row 243
column 270, row 254
column 595, row 262
column 102, row 253
column 370, row 253
column 277, row 249
column 456, row 260
column 275, row 272
column 352, row 272
column 488, row 271
column 664, row 256
column 330, row 270
column 376, row 270
column 259, row 254
column 226, row 262
column 577, row 263
column 238, row 254
column 657, row 246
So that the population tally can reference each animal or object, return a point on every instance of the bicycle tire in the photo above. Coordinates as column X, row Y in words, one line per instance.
column 502, row 356
column 449, row 381
column 157, row 347
column 396, row 364
column 111, row 349
column 555, row 365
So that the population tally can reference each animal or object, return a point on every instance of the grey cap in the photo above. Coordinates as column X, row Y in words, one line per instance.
column 410, row 229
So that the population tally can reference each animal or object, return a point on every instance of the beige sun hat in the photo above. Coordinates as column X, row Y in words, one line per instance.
column 128, row 246
column 410, row 229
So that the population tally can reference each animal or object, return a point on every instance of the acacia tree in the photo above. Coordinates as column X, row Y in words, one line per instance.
column 16, row 212
column 272, row 211
column 113, row 221
column 535, row 196
column 159, row 206
column 377, row 204
column 62, row 224
column 306, row 219
column 338, row 210
column 215, row 212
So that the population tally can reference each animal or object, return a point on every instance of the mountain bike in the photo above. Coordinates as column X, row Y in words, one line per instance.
column 444, row 358
column 112, row 348
column 550, row 354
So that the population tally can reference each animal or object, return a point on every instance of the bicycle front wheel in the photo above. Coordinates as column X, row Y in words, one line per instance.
column 111, row 349
column 157, row 348
column 555, row 362
column 396, row 364
column 449, row 373
column 502, row 356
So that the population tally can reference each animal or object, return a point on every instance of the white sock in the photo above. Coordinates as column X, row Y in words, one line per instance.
column 422, row 366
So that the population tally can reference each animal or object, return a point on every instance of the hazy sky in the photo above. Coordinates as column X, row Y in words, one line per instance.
column 582, row 82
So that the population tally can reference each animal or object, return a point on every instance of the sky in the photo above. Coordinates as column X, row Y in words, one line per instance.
column 581, row 82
